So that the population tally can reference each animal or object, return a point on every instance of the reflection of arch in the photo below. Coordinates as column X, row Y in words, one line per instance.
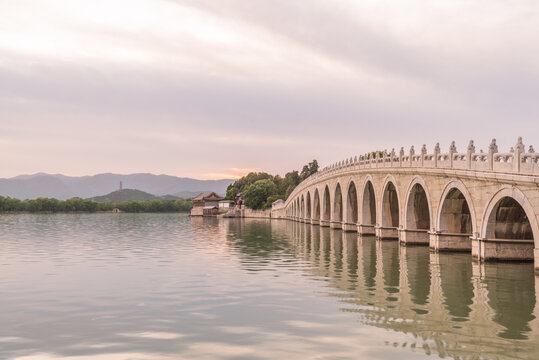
column 456, row 212
column 351, row 204
column 391, row 268
column 418, row 273
column 308, row 206
column 368, row 203
column 509, row 213
column 511, row 294
column 390, row 203
column 327, row 205
column 316, row 207
column 337, row 204
column 417, row 205
column 456, row 283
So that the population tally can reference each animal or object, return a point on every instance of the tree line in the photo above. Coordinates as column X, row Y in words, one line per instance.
column 260, row 189
column 51, row 205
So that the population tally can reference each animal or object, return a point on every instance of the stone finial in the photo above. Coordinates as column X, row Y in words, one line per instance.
column 453, row 147
column 520, row 145
column 481, row 151
column 423, row 149
column 351, row 159
column 471, row 146
column 531, row 149
column 512, row 149
column 412, row 150
column 437, row 148
column 355, row 158
column 493, row 147
column 393, row 152
column 401, row 153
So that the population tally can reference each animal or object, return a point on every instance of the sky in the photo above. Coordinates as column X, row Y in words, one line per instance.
column 215, row 89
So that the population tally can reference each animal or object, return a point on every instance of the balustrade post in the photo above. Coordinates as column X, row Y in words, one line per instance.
column 412, row 153
column 423, row 154
column 519, row 150
column 469, row 152
column 436, row 154
column 401, row 156
column 452, row 150
column 492, row 149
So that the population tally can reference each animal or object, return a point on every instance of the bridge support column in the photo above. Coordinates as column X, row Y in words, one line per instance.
column 502, row 249
column 414, row 237
column 366, row 230
column 324, row 223
column 536, row 251
column 450, row 242
column 315, row 221
column 335, row 225
column 387, row 233
column 349, row 227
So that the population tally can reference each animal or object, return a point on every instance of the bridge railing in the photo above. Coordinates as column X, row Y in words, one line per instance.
column 516, row 161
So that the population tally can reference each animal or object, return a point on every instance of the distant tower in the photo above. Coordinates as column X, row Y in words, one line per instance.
column 121, row 186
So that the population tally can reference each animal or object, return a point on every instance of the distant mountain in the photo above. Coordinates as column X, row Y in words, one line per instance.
column 64, row 187
column 130, row 194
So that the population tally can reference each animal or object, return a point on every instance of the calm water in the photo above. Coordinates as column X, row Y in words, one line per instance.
column 140, row 286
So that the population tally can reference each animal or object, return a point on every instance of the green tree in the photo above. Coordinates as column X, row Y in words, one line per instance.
column 257, row 193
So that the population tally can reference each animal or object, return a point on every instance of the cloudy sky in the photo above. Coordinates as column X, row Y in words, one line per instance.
column 211, row 89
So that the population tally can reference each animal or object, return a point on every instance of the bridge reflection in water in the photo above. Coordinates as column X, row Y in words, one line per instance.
column 449, row 304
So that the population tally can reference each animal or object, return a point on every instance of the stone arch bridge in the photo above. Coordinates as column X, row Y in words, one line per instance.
column 485, row 203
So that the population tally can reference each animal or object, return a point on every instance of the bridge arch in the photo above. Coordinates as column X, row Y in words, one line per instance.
column 368, row 202
column 456, row 213
column 302, row 207
column 337, row 204
column 326, row 208
column 390, row 202
column 316, row 205
column 417, row 206
column 352, row 204
column 308, row 209
column 510, row 215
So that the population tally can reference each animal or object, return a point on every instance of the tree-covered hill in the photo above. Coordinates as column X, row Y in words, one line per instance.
column 130, row 195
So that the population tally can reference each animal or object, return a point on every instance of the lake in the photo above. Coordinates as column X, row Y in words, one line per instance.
column 166, row 286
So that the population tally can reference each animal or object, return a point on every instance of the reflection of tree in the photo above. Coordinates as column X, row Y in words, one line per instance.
column 255, row 240
column 511, row 294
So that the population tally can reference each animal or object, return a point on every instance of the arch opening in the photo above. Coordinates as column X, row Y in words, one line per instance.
column 508, row 220
column 308, row 206
column 302, row 208
column 455, row 216
column 390, row 207
column 327, row 205
column 316, row 206
column 417, row 209
column 351, row 209
column 369, row 205
column 337, row 204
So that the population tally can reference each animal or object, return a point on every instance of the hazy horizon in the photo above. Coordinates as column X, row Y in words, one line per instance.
column 105, row 173
column 213, row 90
